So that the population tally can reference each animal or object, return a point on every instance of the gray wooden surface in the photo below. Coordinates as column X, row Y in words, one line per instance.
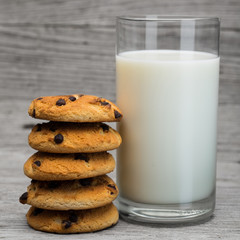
column 50, row 47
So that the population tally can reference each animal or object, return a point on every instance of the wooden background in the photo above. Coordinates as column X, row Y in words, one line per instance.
column 50, row 47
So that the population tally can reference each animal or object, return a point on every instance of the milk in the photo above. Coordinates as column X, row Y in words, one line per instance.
column 169, row 101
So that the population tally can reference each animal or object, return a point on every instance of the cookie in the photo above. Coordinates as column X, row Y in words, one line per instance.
column 75, row 108
column 53, row 167
column 62, row 137
column 73, row 221
column 71, row 195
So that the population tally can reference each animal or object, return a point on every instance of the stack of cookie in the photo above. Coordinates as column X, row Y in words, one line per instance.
column 69, row 191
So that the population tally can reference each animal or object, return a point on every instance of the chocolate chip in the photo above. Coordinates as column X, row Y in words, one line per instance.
column 112, row 193
column 37, row 211
column 117, row 114
column 58, row 138
column 23, row 198
column 39, row 127
column 38, row 163
column 105, row 103
column 72, row 98
column 53, row 184
column 85, row 182
column 81, row 156
column 34, row 113
column 39, row 98
column 81, row 95
column 73, row 217
column 112, row 186
column 104, row 127
column 60, row 102
column 66, row 224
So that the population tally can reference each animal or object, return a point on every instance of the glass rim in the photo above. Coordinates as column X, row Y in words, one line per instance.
column 166, row 18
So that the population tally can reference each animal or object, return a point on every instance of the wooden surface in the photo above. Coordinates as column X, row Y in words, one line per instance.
column 67, row 46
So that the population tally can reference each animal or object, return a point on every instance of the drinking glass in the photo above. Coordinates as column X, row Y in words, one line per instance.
column 167, row 71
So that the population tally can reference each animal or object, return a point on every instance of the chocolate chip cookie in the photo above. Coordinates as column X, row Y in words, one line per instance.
column 75, row 108
column 71, row 195
column 49, row 166
column 63, row 137
column 72, row 221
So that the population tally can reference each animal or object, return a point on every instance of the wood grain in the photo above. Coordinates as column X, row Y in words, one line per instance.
column 67, row 46
column 45, row 44
column 64, row 59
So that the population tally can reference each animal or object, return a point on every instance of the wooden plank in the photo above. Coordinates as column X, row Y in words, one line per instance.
column 52, row 59
column 85, row 11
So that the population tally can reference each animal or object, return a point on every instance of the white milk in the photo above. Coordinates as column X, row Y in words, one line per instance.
column 169, row 101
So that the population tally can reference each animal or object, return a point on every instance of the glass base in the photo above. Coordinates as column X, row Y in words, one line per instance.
column 166, row 213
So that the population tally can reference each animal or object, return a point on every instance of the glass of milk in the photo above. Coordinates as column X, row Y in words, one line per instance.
column 167, row 87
